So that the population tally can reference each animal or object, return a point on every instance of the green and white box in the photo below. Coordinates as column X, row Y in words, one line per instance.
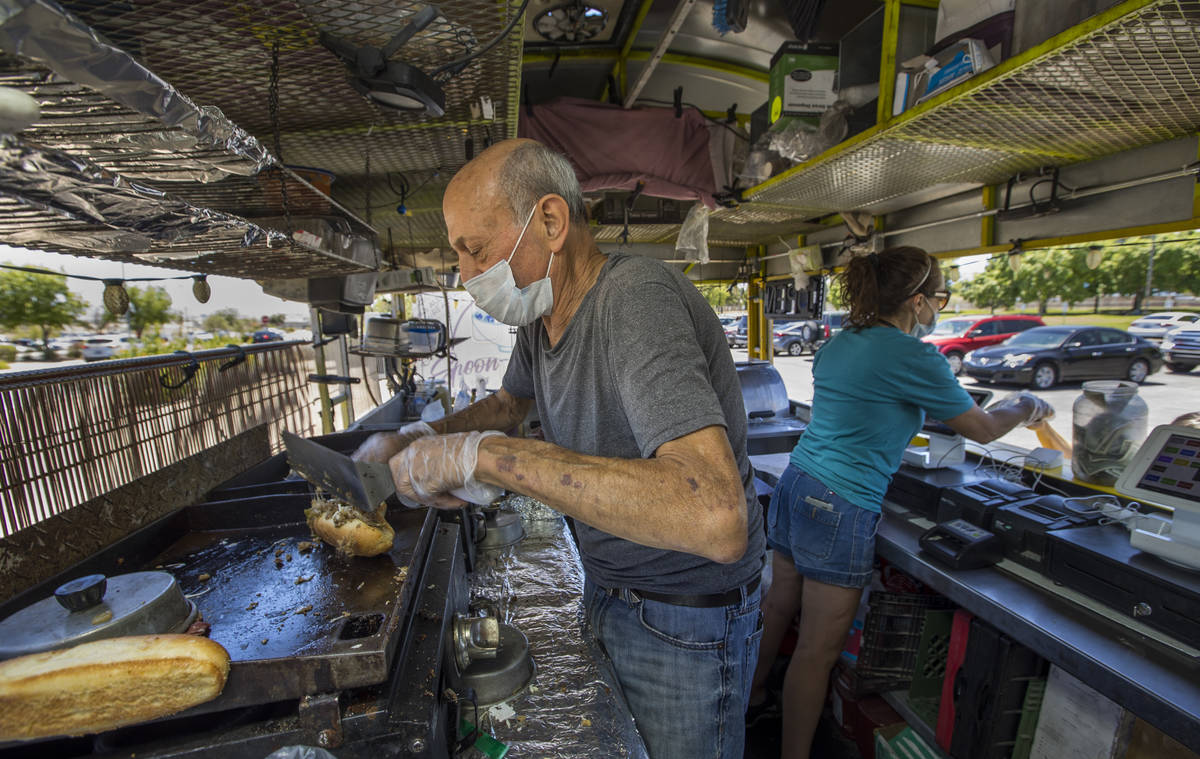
column 803, row 81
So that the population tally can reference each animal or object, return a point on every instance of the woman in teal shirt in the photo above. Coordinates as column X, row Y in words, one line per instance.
column 873, row 385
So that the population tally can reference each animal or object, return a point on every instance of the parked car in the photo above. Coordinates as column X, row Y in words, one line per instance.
column 266, row 336
column 738, row 340
column 795, row 337
column 1181, row 349
column 1045, row 356
column 729, row 324
column 1154, row 327
column 958, row 336
column 832, row 321
column 100, row 348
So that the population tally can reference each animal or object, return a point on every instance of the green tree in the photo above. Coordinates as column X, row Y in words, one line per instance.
column 37, row 300
column 722, row 296
column 225, row 320
column 1177, row 264
column 1053, row 273
column 277, row 320
column 148, row 307
column 1122, row 270
column 994, row 287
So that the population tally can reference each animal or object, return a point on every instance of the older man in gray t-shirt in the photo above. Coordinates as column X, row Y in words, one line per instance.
column 645, row 443
column 643, row 362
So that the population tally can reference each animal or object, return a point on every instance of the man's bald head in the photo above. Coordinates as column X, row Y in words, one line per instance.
column 519, row 172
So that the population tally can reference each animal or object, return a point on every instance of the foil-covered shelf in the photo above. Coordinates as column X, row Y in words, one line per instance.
column 166, row 181
column 58, row 201
column 1126, row 78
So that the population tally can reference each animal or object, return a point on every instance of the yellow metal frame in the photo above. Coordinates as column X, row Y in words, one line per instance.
column 327, row 427
column 887, row 61
column 1184, row 225
column 967, row 88
column 987, row 228
column 1196, row 189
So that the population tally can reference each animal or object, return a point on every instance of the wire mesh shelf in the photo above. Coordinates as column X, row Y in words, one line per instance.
column 1128, row 83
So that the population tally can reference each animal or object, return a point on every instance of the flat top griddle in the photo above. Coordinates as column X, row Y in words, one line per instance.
column 265, row 599
column 339, row 629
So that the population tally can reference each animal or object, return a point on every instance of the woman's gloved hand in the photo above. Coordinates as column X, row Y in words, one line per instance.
column 1034, row 408
column 439, row 470
column 382, row 446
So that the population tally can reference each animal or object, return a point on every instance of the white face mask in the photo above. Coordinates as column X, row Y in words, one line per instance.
column 496, row 292
column 920, row 330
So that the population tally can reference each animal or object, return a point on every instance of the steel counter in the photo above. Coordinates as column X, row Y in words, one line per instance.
column 1160, row 686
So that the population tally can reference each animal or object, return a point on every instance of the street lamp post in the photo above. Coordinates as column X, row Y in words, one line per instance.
column 1150, row 271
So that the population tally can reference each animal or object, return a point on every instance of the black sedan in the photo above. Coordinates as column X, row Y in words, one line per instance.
column 266, row 336
column 1044, row 356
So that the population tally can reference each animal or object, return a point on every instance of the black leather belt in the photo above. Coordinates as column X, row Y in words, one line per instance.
column 700, row 601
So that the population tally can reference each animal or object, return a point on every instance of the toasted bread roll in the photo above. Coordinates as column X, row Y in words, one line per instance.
column 352, row 531
column 108, row 684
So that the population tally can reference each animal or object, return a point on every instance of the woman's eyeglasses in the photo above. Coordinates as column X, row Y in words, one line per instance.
column 942, row 298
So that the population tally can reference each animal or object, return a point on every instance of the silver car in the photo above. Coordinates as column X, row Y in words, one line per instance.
column 1154, row 327
column 1181, row 349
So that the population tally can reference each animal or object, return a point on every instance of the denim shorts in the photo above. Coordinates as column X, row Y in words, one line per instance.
column 684, row 672
column 828, row 538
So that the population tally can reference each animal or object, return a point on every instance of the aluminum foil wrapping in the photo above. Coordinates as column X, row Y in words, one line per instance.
column 571, row 708
column 43, row 31
column 79, row 189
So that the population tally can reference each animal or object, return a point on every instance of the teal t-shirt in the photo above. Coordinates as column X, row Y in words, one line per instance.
column 871, row 391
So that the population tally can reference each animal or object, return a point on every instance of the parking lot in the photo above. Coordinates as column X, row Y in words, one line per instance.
column 1167, row 395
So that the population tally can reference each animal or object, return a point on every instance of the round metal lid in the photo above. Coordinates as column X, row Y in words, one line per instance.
column 139, row 603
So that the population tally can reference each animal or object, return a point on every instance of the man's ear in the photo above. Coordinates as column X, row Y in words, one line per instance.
column 557, row 218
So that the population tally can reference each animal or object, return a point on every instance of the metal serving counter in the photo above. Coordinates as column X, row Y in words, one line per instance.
column 1135, row 666
column 1160, row 686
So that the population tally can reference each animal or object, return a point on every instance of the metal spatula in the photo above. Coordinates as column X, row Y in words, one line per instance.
column 362, row 484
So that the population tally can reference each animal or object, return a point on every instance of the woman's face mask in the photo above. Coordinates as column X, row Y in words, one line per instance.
column 920, row 329
column 496, row 292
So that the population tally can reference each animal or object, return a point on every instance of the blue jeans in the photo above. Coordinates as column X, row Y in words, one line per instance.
column 828, row 538
column 684, row 672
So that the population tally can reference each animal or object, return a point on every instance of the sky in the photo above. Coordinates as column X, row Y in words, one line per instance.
column 969, row 266
column 243, row 295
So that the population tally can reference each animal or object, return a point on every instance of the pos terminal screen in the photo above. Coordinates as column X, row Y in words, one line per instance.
column 1175, row 469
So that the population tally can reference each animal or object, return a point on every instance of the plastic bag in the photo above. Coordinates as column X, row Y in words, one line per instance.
column 693, row 235
column 800, row 141
column 300, row 752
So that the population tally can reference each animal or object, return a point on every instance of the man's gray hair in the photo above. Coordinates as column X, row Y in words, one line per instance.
column 533, row 171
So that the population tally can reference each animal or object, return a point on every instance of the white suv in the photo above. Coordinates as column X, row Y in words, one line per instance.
column 1154, row 327
column 100, row 348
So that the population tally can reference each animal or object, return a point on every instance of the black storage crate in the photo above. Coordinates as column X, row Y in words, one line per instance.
column 989, row 693
column 891, row 640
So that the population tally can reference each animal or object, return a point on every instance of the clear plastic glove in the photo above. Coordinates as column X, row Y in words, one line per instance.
column 1035, row 409
column 440, row 471
column 382, row 446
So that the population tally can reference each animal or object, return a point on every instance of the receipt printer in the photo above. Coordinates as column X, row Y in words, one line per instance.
column 961, row 545
column 977, row 502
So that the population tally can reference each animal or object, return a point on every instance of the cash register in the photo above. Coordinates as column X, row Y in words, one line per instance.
column 1166, row 471
column 1143, row 565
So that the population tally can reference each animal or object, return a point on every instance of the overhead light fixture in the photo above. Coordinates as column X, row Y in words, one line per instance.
column 1094, row 255
column 116, row 299
column 392, row 84
column 201, row 290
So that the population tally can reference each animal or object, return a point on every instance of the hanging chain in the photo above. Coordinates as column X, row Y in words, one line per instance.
column 273, row 111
